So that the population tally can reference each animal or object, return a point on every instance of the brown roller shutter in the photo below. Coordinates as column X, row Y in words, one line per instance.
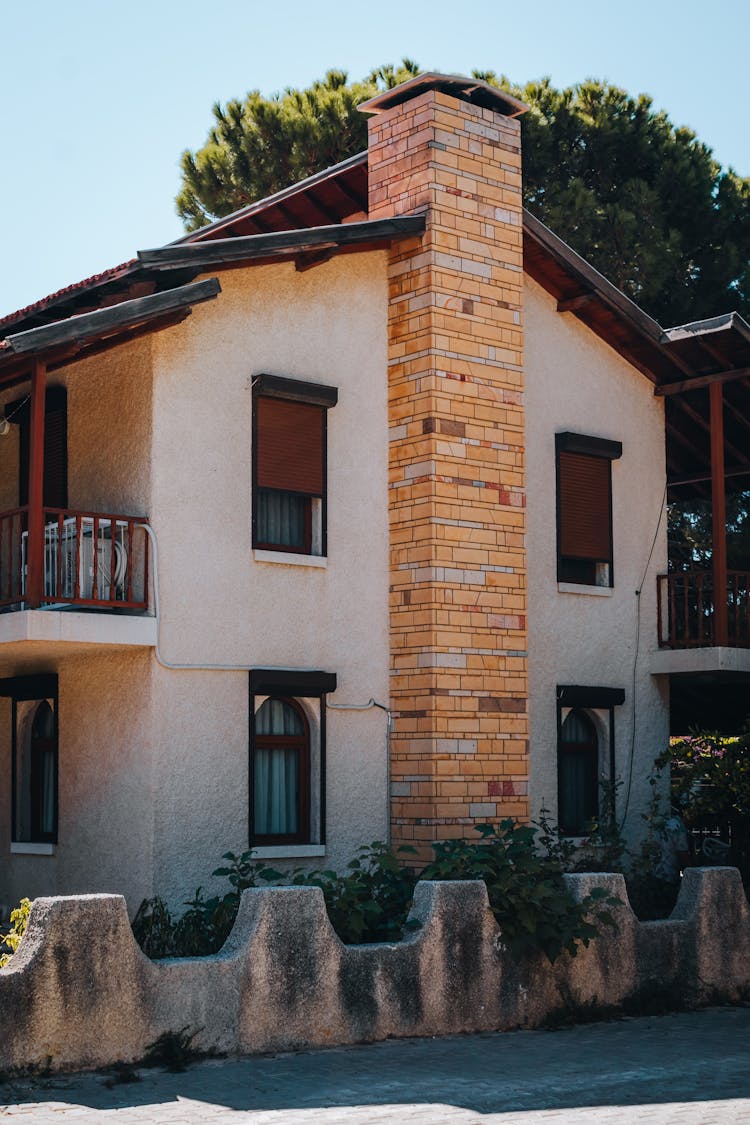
column 584, row 490
column 290, row 446
column 55, row 494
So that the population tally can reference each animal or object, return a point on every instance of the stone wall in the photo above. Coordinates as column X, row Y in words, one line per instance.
column 79, row 992
column 459, row 748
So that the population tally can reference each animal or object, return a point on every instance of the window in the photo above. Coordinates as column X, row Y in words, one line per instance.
column 578, row 774
column 289, row 464
column 287, row 756
column 34, row 739
column 582, row 758
column 584, row 508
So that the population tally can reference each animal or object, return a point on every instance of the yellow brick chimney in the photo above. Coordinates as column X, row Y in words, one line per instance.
column 450, row 147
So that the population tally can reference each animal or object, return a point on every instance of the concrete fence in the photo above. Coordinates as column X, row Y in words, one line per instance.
column 80, row 993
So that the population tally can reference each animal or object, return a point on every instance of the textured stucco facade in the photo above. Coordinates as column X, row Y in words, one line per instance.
column 153, row 762
column 585, row 636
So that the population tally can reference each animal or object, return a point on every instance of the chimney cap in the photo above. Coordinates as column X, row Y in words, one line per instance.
column 456, row 85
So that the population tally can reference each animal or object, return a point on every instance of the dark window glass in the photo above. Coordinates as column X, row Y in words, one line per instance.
column 35, row 771
column 578, row 775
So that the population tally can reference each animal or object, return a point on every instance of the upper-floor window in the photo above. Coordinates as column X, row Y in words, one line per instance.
column 290, row 464
column 584, row 509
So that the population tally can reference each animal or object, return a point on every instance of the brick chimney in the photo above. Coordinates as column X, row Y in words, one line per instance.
column 450, row 147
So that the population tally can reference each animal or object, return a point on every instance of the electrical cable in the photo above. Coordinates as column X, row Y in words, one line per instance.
column 173, row 666
column 662, row 510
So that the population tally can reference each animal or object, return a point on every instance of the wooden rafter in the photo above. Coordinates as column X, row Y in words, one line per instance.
column 702, row 381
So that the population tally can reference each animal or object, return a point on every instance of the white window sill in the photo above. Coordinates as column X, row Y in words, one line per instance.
column 289, row 851
column 591, row 591
column 32, row 849
column 284, row 558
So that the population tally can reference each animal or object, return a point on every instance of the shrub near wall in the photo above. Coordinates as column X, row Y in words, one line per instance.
column 370, row 901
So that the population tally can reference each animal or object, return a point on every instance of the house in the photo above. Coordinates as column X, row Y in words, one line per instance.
column 343, row 518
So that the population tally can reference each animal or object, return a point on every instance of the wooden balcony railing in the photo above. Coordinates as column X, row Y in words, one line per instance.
column 685, row 607
column 88, row 559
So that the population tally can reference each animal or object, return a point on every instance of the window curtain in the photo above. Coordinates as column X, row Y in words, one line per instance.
column 276, row 770
column 281, row 518
column 276, row 780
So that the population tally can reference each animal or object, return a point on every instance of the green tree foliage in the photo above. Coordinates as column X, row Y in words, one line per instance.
column 259, row 145
column 689, row 531
column 643, row 200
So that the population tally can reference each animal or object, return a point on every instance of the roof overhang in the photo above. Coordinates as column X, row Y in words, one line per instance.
column 226, row 252
column 67, row 341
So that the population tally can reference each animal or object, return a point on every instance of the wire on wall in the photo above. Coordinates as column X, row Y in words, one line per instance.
column 629, row 785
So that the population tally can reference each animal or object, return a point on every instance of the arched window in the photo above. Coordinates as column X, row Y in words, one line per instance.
column 578, row 774
column 281, row 774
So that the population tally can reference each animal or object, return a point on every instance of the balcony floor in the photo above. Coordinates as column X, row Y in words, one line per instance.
column 692, row 661
column 63, row 629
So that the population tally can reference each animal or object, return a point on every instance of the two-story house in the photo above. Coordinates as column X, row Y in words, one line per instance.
column 343, row 519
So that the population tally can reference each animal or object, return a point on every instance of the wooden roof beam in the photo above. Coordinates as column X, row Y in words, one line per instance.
column 702, row 381
column 226, row 251
column 96, row 325
column 698, row 418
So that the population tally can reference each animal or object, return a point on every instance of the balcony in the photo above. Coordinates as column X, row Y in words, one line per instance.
column 89, row 561
column 687, row 612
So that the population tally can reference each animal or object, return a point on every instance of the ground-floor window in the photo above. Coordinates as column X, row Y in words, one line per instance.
column 578, row 774
column 34, row 750
column 281, row 769
column 585, row 756
column 287, row 756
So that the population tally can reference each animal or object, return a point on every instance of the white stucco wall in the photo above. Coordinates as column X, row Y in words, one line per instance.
column 575, row 382
column 105, row 780
column 219, row 605
column 154, row 763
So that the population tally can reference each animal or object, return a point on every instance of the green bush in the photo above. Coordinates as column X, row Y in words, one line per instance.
column 19, row 919
column 533, row 907
column 371, row 899
column 710, row 783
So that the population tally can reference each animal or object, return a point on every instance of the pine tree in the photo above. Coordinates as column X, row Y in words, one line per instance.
column 644, row 201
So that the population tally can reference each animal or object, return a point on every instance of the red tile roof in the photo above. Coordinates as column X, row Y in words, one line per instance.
column 96, row 279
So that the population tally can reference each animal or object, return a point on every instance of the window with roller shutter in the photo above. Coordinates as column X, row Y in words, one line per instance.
column 584, row 508
column 289, row 464
column 55, row 488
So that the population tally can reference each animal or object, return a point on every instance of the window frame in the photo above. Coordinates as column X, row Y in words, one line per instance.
column 30, row 689
column 574, row 697
column 302, row 743
column 309, row 394
column 292, row 687
column 605, row 450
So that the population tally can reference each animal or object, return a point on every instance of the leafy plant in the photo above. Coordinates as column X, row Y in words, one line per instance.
column 371, row 901
column 19, row 919
column 527, row 893
column 710, row 782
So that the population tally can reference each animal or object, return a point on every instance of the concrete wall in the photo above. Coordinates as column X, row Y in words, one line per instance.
column 576, row 382
column 284, row 981
column 219, row 604
column 154, row 763
column 106, row 750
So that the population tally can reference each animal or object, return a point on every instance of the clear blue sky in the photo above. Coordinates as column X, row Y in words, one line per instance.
column 98, row 100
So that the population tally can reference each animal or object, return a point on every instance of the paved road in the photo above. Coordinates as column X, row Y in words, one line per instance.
column 686, row 1069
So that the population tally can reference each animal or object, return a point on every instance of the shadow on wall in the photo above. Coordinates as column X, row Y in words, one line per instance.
column 284, row 980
